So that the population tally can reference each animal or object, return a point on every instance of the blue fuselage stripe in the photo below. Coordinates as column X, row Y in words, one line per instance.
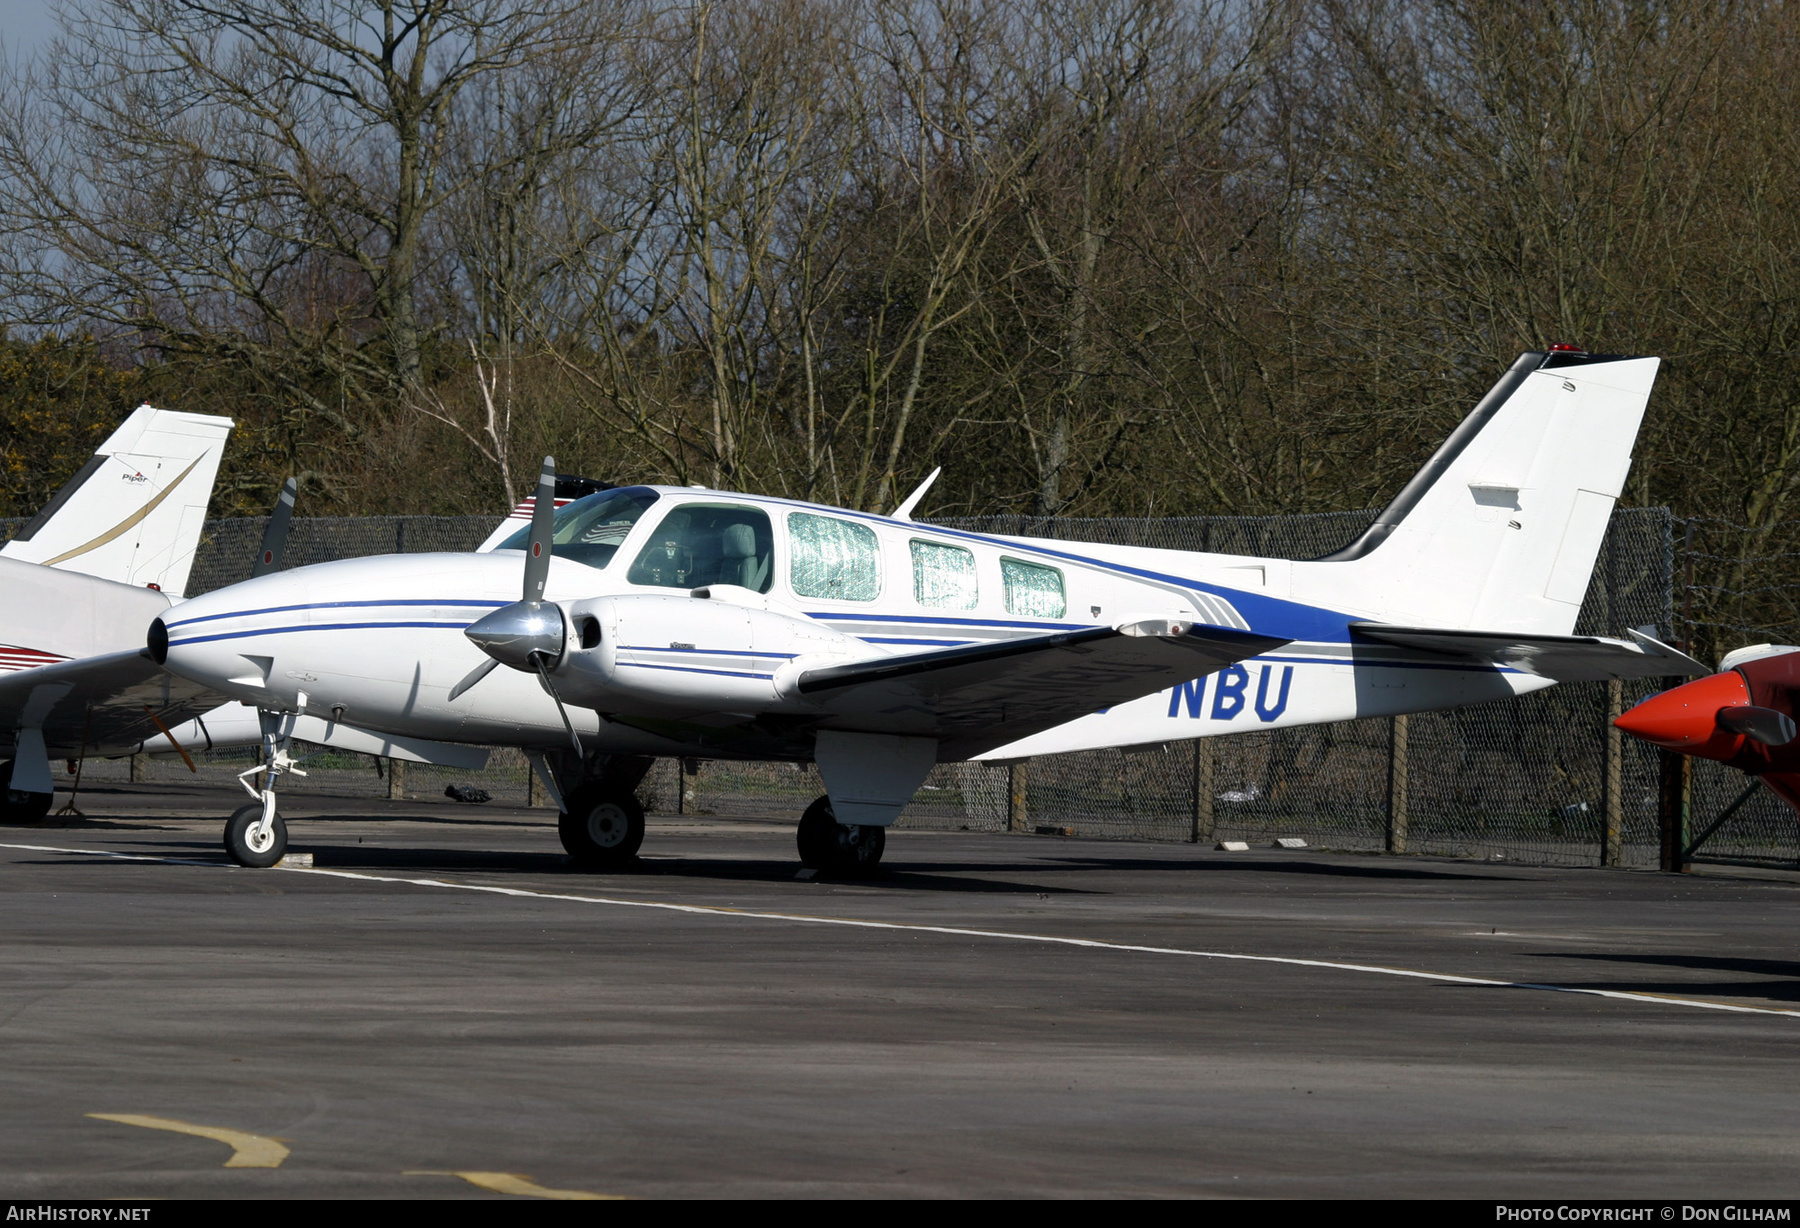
column 337, row 605
column 709, row 652
column 690, row 669
column 239, row 635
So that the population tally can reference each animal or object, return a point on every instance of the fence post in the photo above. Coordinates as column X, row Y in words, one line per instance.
column 1201, row 808
column 137, row 768
column 396, row 780
column 1612, row 809
column 1674, row 789
column 535, row 798
column 688, row 787
column 1396, row 816
column 1015, row 792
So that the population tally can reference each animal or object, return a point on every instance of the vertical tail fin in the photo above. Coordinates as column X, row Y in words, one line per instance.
column 1500, row 529
column 133, row 513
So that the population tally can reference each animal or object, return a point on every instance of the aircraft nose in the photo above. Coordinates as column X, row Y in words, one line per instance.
column 1687, row 718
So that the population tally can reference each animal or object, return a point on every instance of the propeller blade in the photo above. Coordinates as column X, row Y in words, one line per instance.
column 561, row 711
column 475, row 675
column 1764, row 725
column 543, row 520
column 274, row 542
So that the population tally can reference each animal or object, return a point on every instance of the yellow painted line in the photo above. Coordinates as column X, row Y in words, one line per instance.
column 247, row 1150
column 516, row 1183
column 1446, row 978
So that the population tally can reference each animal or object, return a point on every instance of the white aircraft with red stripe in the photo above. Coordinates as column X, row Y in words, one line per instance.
column 81, row 582
column 671, row 621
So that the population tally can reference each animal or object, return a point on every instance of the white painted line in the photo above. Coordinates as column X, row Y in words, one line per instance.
column 952, row 930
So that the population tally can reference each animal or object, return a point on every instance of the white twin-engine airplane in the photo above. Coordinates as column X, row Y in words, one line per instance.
column 698, row 623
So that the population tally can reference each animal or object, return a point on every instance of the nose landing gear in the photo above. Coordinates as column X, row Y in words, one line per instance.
column 848, row 849
column 255, row 836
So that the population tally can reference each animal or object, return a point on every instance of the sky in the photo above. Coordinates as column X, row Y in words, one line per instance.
column 25, row 24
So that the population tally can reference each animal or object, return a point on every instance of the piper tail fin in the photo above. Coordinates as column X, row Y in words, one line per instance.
column 133, row 512
column 1501, row 528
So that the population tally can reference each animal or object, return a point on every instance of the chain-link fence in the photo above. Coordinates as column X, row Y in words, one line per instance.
column 1543, row 778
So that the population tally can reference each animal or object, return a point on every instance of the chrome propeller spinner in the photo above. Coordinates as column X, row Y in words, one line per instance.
column 529, row 634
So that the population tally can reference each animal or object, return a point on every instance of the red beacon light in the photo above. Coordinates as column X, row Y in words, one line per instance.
column 1563, row 347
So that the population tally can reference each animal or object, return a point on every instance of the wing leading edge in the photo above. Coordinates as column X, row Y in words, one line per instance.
column 986, row 695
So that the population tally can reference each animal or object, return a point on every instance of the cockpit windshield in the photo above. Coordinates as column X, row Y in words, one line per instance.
column 589, row 530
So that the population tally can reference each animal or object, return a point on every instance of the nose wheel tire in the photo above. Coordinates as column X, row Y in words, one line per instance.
column 20, row 806
column 603, row 828
column 849, row 849
column 248, row 844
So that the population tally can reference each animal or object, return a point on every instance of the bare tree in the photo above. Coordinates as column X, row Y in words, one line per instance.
column 251, row 180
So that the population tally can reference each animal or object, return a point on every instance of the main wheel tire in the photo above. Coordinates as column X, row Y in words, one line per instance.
column 241, row 842
column 20, row 806
column 849, row 849
column 602, row 828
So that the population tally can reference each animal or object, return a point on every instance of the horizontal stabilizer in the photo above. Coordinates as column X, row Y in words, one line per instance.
column 1561, row 658
column 975, row 698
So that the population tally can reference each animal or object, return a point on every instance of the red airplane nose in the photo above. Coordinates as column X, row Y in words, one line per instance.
column 1687, row 718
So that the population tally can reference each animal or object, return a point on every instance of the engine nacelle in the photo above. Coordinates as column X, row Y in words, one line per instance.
column 677, row 655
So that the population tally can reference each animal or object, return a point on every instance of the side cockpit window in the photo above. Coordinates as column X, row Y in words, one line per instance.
column 698, row 544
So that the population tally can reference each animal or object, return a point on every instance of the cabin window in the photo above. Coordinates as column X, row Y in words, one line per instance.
column 590, row 530
column 943, row 576
column 834, row 558
column 1032, row 589
column 698, row 544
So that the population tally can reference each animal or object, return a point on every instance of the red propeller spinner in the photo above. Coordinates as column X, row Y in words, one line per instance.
column 1743, row 716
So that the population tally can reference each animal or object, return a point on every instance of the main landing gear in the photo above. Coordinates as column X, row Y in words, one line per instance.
column 603, row 826
column 19, row 805
column 602, row 823
column 255, row 836
column 848, row 849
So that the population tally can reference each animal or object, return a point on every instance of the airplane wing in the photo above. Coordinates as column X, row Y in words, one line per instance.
column 978, row 697
column 1562, row 658
column 99, row 702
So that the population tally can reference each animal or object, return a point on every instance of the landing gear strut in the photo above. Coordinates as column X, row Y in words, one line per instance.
column 255, row 836
column 848, row 849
